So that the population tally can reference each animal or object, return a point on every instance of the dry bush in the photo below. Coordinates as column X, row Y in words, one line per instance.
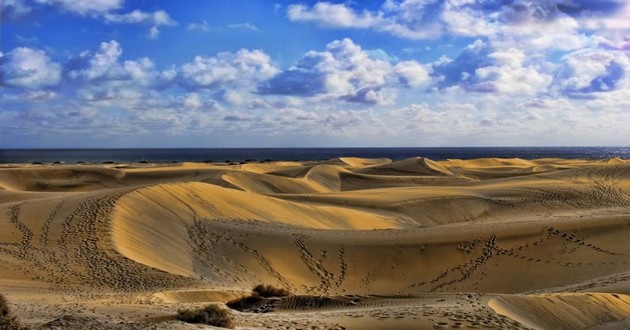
column 211, row 315
column 7, row 320
column 245, row 302
column 259, row 293
column 268, row 291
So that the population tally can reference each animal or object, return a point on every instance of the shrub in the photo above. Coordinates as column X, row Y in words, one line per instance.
column 245, row 301
column 258, row 295
column 7, row 320
column 268, row 290
column 211, row 315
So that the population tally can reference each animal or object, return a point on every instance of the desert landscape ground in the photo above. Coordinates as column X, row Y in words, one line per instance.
column 361, row 243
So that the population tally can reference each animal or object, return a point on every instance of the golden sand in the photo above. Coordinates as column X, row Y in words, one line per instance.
column 411, row 244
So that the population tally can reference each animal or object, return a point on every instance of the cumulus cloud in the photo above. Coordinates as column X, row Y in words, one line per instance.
column 105, row 66
column 481, row 68
column 466, row 20
column 333, row 15
column 345, row 71
column 590, row 70
column 241, row 68
column 29, row 68
column 92, row 66
column 104, row 9
column 193, row 101
column 456, row 71
column 81, row 7
column 156, row 18
column 84, row 7
column 412, row 74
column 510, row 75
column 399, row 22
column 428, row 19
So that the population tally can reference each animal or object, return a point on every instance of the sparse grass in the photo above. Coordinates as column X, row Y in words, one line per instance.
column 211, row 315
column 259, row 293
column 7, row 320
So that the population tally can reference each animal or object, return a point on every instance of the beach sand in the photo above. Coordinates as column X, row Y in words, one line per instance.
column 378, row 244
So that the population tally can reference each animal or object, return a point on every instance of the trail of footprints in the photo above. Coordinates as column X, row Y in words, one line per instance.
column 462, row 272
column 48, row 222
column 203, row 232
column 86, row 252
column 328, row 279
column 199, row 234
column 27, row 234
column 596, row 193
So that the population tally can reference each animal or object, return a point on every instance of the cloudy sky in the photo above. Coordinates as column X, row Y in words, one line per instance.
column 196, row 73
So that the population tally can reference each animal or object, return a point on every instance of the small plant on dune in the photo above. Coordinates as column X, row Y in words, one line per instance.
column 245, row 301
column 211, row 315
column 7, row 320
column 268, row 290
column 258, row 295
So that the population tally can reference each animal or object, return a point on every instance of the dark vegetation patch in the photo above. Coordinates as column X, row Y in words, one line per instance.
column 213, row 315
column 7, row 320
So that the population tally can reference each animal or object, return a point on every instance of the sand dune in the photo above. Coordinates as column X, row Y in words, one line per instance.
column 565, row 311
column 364, row 162
column 506, row 243
column 413, row 166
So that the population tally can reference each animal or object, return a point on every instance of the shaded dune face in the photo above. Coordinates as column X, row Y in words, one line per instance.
column 536, row 239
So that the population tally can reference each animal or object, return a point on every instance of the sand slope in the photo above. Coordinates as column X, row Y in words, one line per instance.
column 391, row 244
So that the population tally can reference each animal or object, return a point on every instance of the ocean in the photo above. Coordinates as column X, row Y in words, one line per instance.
column 260, row 154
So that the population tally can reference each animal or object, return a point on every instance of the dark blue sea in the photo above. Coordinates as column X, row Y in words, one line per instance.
column 260, row 154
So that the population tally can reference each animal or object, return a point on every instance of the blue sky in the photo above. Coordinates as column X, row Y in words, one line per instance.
column 123, row 73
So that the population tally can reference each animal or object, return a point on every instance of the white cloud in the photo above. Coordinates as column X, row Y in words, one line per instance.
column 193, row 101
column 332, row 15
column 341, row 16
column 156, row 18
column 510, row 75
column 465, row 21
column 562, row 33
column 30, row 68
column 617, row 21
column 105, row 67
column 203, row 26
column 591, row 70
column 233, row 97
column 154, row 32
column 244, row 26
column 346, row 71
column 412, row 74
column 245, row 67
column 540, row 24
column 85, row 7
column 81, row 7
column 480, row 67
column 100, row 63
